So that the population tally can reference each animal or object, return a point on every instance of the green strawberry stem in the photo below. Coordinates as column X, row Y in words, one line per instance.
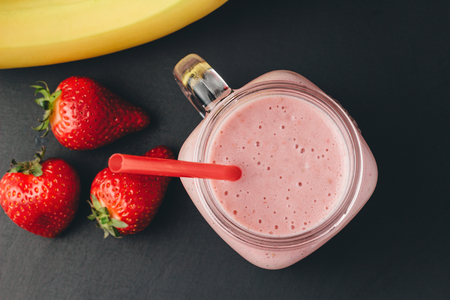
column 33, row 167
column 104, row 220
column 47, row 103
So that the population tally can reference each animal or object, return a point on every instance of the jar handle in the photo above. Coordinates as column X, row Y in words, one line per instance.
column 200, row 83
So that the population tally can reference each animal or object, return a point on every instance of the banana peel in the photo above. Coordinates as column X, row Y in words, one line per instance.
column 44, row 32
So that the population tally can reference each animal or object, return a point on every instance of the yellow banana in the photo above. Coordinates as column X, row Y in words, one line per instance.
column 43, row 32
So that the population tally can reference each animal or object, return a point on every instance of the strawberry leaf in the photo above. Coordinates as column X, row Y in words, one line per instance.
column 37, row 170
column 115, row 232
column 107, row 232
column 118, row 224
column 101, row 215
column 104, row 211
column 33, row 167
column 47, row 103
column 43, row 126
column 96, row 203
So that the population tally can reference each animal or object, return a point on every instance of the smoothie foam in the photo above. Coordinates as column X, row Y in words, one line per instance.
column 294, row 162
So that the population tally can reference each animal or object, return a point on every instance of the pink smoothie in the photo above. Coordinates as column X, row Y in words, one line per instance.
column 312, row 165
column 294, row 162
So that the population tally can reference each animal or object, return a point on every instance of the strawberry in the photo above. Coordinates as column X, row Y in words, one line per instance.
column 83, row 114
column 126, row 203
column 41, row 197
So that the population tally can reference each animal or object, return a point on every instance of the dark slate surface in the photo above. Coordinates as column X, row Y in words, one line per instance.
column 387, row 62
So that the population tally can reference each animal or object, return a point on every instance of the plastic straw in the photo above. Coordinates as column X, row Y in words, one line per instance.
column 124, row 163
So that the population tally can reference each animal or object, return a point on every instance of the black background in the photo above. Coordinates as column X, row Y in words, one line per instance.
column 387, row 62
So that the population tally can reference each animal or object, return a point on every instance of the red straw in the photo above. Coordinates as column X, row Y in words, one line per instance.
column 123, row 163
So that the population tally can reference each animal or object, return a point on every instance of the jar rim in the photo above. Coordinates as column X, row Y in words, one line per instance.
column 332, row 108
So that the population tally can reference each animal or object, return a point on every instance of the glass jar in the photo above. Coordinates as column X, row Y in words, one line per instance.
column 217, row 103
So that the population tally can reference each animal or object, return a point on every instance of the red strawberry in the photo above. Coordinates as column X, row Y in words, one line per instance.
column 83, row 114
column 41, row 198
column 126, row 203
